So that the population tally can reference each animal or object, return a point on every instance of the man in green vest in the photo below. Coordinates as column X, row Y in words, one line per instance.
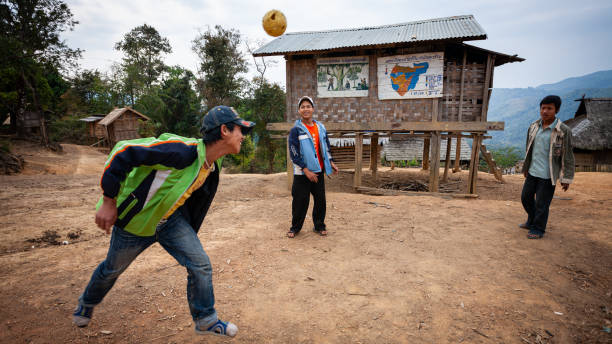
column 159, row 190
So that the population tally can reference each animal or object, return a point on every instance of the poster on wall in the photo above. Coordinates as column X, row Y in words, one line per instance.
column 343, row 76
column 410, row 76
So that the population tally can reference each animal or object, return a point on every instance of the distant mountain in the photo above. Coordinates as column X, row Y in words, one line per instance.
column 518, row 107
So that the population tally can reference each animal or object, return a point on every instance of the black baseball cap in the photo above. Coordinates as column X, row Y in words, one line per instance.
column 222, row 115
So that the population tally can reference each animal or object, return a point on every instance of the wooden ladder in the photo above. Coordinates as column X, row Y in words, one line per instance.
column 493, row 169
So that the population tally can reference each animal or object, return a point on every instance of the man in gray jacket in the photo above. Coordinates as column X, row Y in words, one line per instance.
column 549, row 157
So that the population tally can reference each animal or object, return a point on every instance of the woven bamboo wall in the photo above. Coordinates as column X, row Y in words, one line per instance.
column 301, row 81
column 126, row 127
column 344, row 157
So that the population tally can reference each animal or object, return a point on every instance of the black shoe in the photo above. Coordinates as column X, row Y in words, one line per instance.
column 524, row 225
column 534, row 234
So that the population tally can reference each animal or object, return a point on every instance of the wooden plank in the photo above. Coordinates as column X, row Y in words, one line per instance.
column 456, row 168
column 485, row 91
column 389, row 192
column 289, row 168
column 462, row 82
column 358, row 159
column 426, row 153
column 474, row 126
column 434, row 109
column 288, row 79
column 374, row 157
column 447, row 160
column 434, row 168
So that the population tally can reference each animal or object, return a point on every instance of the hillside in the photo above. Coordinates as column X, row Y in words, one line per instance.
column 518, row 107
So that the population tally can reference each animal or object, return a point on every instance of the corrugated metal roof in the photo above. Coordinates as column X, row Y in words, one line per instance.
column 92, row 118
column 458, row 27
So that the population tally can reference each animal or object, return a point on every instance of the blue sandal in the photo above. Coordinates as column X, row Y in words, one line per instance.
column 220, row 328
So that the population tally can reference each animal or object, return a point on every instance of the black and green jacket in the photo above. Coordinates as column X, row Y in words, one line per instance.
column 148, row 176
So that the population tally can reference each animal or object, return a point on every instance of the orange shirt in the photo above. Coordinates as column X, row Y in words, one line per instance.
column 314, row 132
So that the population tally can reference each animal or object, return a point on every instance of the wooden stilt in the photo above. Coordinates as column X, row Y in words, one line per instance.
column 457, row 154
column 358, row 159
column 447, row 160
column 434, row 167
column 473, row 176
column 374, row 158
column 426, row 154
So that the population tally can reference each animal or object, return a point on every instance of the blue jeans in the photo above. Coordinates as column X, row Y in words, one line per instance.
column 180, row 240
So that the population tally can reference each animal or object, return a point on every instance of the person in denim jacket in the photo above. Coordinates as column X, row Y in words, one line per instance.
column 309, row 150
column 549, row 157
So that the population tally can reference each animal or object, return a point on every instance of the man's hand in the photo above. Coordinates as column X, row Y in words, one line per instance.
column 334, row 167
column 564, row 186
column 310, row 175
column 525, row 173
column 107, row 214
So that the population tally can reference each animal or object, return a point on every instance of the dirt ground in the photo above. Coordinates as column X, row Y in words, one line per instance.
column 394, row 269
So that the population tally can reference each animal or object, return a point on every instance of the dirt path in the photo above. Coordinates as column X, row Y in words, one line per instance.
column 393, row 269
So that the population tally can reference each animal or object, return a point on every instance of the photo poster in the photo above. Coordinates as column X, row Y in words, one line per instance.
column 411, row 76
column 346, row 76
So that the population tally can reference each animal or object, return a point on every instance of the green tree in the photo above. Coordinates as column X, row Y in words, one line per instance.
column 30, row 39
column 174, row 105
column 89, row 93
column 221, row 66
column 143, row 47
column 266, row 105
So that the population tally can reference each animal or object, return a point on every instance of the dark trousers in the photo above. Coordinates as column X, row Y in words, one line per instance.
column 536, row 197
column 301, row 190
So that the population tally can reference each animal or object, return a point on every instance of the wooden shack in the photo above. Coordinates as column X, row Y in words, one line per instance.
column 121, row 124
column 417, row 78
column 93, row 129
column 592, row 134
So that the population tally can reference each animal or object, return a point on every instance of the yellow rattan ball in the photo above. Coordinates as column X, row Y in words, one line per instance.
column 274, row 23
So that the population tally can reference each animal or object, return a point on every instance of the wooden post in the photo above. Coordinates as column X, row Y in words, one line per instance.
column 434, row 168
column 457, row 154
column 374, row 154
column 289, row 168
column 473, row 176
column 463, row 66
column 426, row 153
column 447, row 161
column 358, row 159
column 486, row 86
column 288, row 93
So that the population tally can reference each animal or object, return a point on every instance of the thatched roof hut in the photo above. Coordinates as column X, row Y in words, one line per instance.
column 592, row 134
column 122, row 124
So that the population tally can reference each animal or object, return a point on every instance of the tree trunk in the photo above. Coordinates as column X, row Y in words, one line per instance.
column 37, row 107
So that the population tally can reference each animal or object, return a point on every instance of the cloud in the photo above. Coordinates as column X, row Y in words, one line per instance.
column 558, row 38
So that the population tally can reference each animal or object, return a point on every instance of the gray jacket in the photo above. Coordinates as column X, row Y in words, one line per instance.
column 560, row 156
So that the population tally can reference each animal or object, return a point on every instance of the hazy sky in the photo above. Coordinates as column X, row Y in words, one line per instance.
column 558, row 39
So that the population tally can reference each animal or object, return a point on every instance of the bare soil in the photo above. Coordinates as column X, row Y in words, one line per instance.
column 394, row 269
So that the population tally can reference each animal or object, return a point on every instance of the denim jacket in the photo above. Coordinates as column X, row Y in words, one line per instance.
column 302, row 149
column 560, row 156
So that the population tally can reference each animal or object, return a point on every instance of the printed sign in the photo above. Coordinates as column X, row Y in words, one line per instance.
column 343, row 77
column 410, row 76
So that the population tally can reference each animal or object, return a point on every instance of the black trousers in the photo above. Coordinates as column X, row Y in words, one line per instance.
column 536, row 197
column 301, row 190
